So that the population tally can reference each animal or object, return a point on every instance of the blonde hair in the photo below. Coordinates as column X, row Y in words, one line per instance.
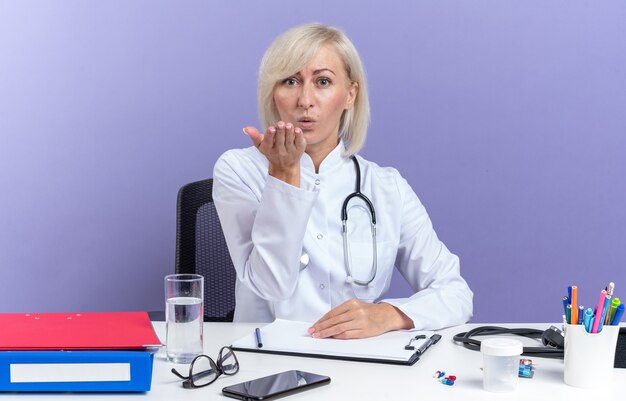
column 291, row 52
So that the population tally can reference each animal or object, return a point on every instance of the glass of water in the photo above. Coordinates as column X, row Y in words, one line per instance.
column 184, row 316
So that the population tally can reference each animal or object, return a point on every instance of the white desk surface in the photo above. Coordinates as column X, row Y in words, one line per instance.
column 362, row 381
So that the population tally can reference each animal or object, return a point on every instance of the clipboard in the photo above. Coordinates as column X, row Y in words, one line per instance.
column 285, row 337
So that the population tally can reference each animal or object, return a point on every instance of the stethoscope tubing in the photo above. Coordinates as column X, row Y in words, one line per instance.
column 344, row 222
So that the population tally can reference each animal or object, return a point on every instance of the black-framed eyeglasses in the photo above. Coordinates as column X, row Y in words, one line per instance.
column 204, row 371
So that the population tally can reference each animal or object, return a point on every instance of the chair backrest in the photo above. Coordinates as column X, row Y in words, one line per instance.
column 201, row 249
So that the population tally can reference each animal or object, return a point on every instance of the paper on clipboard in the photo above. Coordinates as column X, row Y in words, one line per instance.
column 291, row 337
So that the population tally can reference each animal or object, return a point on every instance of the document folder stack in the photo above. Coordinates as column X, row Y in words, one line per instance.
column 81, row 352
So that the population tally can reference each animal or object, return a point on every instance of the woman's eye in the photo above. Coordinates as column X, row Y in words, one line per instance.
column 290, row 82
column 324, row 82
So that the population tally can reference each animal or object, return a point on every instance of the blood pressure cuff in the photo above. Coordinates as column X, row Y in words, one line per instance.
column 620, row 350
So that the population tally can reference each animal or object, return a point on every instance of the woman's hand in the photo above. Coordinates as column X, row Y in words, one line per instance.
column 283, row 145
column 358, row 319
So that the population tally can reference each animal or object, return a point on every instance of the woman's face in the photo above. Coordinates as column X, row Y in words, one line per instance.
column 315, row 98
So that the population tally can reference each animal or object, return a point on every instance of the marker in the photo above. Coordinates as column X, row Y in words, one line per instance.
column 588, row 319
column 607, row 303
column 259, row 342
column 574, row 305
column 596, row 321
column 581, row 314
column 614, row 304
column 568, row 314
column 565, row 302
column 618, row 315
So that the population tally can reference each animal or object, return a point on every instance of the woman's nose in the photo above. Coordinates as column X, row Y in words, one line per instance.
column 305, row 97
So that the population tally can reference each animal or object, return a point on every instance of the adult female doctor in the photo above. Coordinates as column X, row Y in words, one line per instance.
column 280, row 204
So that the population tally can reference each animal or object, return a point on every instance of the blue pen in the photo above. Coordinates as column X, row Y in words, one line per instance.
column 618, row 315
column 607, row 302
column 257, row 333
column 588, row 320
column 569, row 292
column 581, row 312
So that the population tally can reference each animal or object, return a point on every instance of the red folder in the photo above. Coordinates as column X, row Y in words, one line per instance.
column 77, row 331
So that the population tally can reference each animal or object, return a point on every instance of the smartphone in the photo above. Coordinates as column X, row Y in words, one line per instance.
column 275, row 386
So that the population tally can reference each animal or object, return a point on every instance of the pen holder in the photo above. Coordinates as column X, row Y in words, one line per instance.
column 589, row 357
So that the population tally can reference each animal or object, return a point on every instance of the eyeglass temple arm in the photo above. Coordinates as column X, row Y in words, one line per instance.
column 179, row 375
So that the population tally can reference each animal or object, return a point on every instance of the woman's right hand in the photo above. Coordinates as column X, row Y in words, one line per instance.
column 283, row 146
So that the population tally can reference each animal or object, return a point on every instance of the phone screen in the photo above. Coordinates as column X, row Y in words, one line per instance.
column 274, row 386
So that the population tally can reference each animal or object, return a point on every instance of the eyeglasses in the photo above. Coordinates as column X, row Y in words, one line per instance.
column 204, row 371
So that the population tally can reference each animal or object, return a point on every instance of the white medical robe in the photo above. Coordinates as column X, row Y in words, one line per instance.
column 269, row 225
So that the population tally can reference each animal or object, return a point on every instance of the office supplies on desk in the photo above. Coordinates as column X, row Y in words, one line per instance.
column 594, row 320
column 79, row 371
column 429, row 341
column 75, row 331
column 581, row 314
column 619, row 312
column 588, row 320
column 615, row 303
column 574, row 304
column 598, row 314
column 259, row 341
column 291, row 338
column 607, row 307
column 589, row 358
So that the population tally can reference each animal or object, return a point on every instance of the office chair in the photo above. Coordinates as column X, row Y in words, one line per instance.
column 201, row 249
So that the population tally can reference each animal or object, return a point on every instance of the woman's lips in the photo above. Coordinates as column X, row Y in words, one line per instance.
column 306, row 124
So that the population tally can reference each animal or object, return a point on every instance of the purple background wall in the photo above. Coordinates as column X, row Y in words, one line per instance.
column 507, row 118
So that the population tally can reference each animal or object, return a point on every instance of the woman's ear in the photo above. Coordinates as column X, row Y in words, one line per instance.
column 352, row 94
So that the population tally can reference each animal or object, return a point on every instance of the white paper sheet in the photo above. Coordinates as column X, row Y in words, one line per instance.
column 291, row 336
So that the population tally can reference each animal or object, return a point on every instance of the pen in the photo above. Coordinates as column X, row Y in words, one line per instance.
column 598, row 314
column 565, row 302
column 574, row 298
column 259, row 342
column 614, row 304
column 568, row 314
column 610, row 289
column 618, row 315
column 581, row 314
column 569, row 293
column 607, row 303
column 432, row 340
column 588, row 320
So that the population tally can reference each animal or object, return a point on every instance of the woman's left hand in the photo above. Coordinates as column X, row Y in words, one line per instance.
column 358, row 319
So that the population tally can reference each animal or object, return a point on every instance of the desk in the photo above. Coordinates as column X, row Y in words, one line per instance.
column 358, row 380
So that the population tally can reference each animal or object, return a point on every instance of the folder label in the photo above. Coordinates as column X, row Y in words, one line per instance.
column 69, row 372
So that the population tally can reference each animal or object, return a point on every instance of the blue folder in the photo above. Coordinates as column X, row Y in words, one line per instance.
column 79, row 371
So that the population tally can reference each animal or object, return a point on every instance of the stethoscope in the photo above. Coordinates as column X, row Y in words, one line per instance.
column 304, row 260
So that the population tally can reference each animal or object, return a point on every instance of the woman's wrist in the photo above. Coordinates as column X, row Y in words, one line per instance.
column 399, row 320
column 290, row 175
